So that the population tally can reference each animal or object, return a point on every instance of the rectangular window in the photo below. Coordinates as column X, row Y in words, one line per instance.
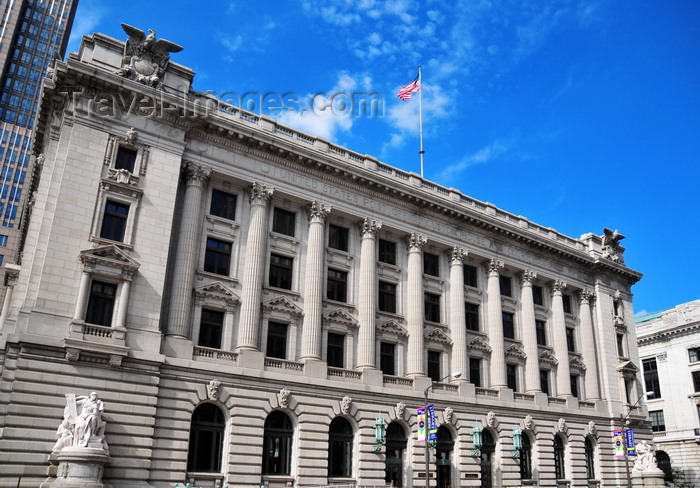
column 544, row 381
column 283, row 222
column 512, row 376
column 658, row 424
column 281, row 268
column 387, row 252
column 508, row 325
column 541, row 332
column 573, row 380
column 335, row 351
column 621, row 345
column 475, row 371
column 387, row 297
column 696, row 381
column 537, row 295
column 277, row 340
column 471, row 312
column 114, row 221
column 570, row 341
column 694, row 354
column 566, row 301
column 210, row 328
column 3, row 240
column 223, row 204
column 338, row 237
column 101, row 303
column 337, row 288
column 432, row 307
column 470, row 276
column 387, row 358
column 126, row 159
column 431, row 264
column 217, row 257
column 506, row 286
column 651, row 378
column 434, row 365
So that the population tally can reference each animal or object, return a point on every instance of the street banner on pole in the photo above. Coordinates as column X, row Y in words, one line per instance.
column 432, row 424
column 629, row 441
column 617, row 440
column 421, row 424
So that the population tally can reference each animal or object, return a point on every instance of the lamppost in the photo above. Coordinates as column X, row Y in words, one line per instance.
column 624, row 436
column 427, row 426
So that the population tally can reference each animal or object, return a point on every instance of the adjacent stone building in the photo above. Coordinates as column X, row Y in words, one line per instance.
column 669, row 348
column 258, row 306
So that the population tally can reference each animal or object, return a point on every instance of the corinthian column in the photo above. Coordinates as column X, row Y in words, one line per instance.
column 532, row 363
column 249, row 327
column 588, row 346
column 367, row 303
column 495, row 316
column 187, row 251
column 561, row 351
column 313, row 292
column 458, row 322
column 415, row 312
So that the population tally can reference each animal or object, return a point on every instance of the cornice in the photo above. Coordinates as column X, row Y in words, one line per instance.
column 667, row 334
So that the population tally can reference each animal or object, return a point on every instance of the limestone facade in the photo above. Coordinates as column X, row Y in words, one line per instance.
column 251, row 301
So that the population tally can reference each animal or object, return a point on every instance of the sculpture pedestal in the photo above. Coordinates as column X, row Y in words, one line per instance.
column 80, row 467
column 653, row 478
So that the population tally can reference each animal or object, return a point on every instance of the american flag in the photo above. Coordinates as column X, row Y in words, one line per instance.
column 407, row 91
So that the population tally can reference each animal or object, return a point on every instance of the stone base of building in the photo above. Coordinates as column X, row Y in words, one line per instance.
column 648, row 479
column 79, row 467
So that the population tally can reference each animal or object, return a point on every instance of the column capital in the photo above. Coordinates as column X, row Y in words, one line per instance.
column 587, row 296
column 558, row 287
column 259, row 193
column 527, row 277
column 369, row 227
column 318, row 211
column 495, row 266
column 416, row 242
column 457, row 255
column 195, row 173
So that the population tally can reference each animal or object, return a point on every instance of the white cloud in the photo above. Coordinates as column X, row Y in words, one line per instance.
column 86, row 19
column 484, row 155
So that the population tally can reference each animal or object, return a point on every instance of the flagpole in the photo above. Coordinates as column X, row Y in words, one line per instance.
column 420, row 119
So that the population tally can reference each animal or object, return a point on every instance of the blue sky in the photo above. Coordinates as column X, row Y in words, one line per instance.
column 578, row 115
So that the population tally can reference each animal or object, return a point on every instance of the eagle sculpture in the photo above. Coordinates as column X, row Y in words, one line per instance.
column 146, row 58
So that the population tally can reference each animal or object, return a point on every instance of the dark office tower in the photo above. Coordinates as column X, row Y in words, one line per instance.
column 32, row 33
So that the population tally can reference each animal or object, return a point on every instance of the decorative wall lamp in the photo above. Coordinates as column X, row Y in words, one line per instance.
column 476, row 438
column 517, row 442
column 379, row 434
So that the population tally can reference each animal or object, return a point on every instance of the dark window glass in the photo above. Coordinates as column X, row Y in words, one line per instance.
column 589, row 450
column 544, row 381
column 570, row 341
column 696, row 381
column 621, row 345
column 283, row 222
column 434, row 365
column 340, row 448
column 470, row 276
column 512, row 376
column 663, row 461
column 101, row 303
column 387, row 358
column 387, row 297
column 541, row 333
column 114, row 221
column 566, row 302
column 506, row 286
column 694, row 354
column 217, row 257
column 337, row 285
column 277, row 444
column 508, row 325
column 335, row 352
column 471, row 312
column 526, row 458
column 277, row 340
column 475, row 371
column 394, row 463
column 658, row 424
column 206, row 439
column 387, row 252
column 651, row 378
column 573, row 380
column 126, row 159
column 338, row 237
column 223, row 204
column 210, row 328
column 432, row 307
column 431, row 264
column 537, row 295
column 281, row 271
column 559, row 471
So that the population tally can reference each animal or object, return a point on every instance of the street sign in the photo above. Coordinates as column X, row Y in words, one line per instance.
column 629, row 441
column 617, row 441
column 420, row 411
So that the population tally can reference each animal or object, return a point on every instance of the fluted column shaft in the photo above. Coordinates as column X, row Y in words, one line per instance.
column 458, row 322
column 415, row 307
column 249, row 326
column 588, row 346
column 495, row 319
column 313, row 291
column 561, row 351
column 367, row 303
column 123, row 299
column 532, row 363
column 187, row 251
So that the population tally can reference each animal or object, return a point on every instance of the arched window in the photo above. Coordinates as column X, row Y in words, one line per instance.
column 445, row 446
column 340, row 448
column 589, row 450
column 395, row 446
column 206, row 439
column 559, row 470
column 277, row 444
column 488, row 454
column 526, row 458
column 663, row 461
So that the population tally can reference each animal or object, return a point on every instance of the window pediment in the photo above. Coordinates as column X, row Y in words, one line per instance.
column 392, row 327
column 547, row 357
column 217, row 292
column 577, row 363
column 110, row 257
column 438, row 336
column 340, row 316
column 282, row 304
column 479, row 344
column 515, row 351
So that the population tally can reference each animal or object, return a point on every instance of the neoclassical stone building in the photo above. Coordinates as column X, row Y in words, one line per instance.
column 258, row 306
